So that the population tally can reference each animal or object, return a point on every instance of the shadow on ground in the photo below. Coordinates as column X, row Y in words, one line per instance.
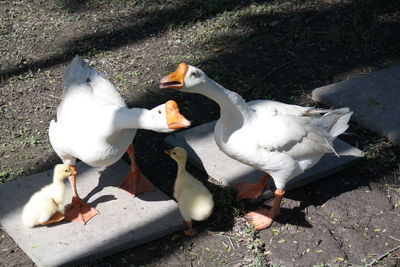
column 273, row 50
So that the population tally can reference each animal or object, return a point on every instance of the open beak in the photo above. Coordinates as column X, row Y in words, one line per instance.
column 168, row 152
column 175, row 120
column 175, row 80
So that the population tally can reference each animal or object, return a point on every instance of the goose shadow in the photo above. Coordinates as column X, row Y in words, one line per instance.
column 112, row 176
column 103, row 181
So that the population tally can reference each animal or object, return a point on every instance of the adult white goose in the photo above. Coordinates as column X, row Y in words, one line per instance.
column 280, row 139
column 95, row 125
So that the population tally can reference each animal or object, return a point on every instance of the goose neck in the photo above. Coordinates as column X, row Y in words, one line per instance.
column 233, row 107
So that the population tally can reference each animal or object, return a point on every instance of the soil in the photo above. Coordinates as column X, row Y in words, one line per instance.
column 261, row 49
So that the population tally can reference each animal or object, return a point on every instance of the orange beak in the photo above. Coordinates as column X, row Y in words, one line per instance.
column 175, row 120
column 72, row 170
column 175, row 80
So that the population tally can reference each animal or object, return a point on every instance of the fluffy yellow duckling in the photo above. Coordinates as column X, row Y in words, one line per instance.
column 194, row 200
column 48, row 201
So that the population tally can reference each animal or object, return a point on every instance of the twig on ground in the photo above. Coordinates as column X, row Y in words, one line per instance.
column 383, row 255
column 270, row 242
column 217, row 234
column 293, row 54
column 391, row 188
column 240, row 261
column 273, row 71
column 230, row 240
column 394, row 238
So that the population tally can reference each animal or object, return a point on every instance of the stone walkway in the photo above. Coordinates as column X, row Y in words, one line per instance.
column 123, row 222
column 374, row 98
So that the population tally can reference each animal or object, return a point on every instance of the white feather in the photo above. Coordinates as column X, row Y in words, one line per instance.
column 93, row 122
column 280, row 139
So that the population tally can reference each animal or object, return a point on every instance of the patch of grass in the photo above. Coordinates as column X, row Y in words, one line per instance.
column 256, row 247
column 8, row 174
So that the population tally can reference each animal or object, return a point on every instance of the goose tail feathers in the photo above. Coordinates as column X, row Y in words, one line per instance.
column 77, row 72
column 338, row 120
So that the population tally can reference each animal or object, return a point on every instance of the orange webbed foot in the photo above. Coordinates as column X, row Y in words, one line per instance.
column 57, row 217
column 190, row 232
column 260, row 219
column 136, row 183
column 80, row 211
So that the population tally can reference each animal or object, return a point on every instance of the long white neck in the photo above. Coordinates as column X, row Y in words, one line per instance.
column 234, row 110
column 133, row 118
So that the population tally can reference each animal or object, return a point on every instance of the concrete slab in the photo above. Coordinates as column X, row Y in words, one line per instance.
column 124, row 221
column 374, row 98
column 205, row 154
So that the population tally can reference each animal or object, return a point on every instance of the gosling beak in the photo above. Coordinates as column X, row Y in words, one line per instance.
column 168, row 152
column 175, row 120
column 175, row 80
column 72, row 171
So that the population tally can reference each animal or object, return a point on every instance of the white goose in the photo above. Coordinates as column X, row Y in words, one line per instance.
column 280, row 139
column 95, row 125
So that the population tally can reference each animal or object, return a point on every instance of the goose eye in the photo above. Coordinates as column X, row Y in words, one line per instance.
column 174, row 153
column 159, row 111
column 195, row 74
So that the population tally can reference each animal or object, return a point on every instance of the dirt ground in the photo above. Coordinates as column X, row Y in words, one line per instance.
column 277, row 50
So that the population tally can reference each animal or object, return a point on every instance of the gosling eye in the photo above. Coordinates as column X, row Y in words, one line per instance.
column 174, row 153
column 65, row 170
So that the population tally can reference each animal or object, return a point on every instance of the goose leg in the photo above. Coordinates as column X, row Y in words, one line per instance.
column 190, row 231
column 78, row 210
column 263, row 218
column 252, row 191
column 135, row 183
